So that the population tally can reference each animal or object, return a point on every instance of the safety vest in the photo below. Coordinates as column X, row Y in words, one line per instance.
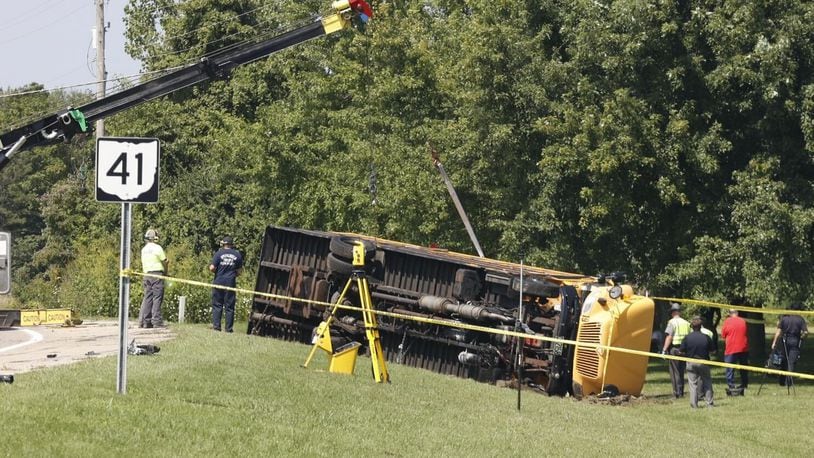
column 681, row 328
column 152, row 258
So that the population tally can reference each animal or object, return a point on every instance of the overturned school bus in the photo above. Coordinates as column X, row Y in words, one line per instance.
column 458, row 289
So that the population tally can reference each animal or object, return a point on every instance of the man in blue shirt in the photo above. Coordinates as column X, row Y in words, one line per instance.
column 698, row 345
column 227, row 263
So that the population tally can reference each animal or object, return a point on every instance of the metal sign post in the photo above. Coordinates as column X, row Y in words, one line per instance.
column 124, row 297
column 126, row 172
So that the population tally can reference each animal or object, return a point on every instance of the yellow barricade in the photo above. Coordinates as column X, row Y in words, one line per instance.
column 36, row 317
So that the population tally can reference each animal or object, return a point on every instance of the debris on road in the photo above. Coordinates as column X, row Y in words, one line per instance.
column 142, row 349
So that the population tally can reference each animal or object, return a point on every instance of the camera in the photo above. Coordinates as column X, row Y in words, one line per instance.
column 775, row 360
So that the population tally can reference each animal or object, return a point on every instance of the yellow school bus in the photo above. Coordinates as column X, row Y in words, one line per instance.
column 615, row 317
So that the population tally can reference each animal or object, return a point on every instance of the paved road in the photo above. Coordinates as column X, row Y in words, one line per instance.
column 29, row 348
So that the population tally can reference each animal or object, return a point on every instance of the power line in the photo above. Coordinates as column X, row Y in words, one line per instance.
column 190, row 60
column 27, row 34
column 17, row 20
column 117, row 79
column 164, row 40
column 263, row 33
column 260, row 33
column 78, row 98
column 124, row 80
column 210, row 24
column 222, row 38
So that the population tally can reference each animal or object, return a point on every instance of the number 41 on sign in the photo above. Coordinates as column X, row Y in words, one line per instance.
column 127, row 169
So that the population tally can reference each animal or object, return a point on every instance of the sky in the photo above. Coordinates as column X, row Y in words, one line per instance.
column 50, row 42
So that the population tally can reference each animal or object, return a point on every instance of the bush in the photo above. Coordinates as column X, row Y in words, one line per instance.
column 90, row 283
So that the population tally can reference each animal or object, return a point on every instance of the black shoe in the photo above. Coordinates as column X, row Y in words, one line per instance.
column 733, row 391
column 161, row 325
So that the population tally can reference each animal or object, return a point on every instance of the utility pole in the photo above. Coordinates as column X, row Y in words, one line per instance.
column 101, row 74
column 127, row 212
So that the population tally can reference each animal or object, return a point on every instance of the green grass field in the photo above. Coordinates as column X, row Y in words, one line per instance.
column 212, row 394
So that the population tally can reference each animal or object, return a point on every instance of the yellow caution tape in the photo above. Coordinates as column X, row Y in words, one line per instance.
column 742, row 308
column 473, row 327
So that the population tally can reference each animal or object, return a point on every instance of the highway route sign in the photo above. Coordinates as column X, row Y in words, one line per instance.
column 127, row 169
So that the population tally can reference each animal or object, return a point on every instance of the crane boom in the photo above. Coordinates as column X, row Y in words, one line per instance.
column 65, row 124
column 436, row 160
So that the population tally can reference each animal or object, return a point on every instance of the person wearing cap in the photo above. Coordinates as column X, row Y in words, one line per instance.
column 736, row 351
column 792, row 329
column 698, row 345
column 227, row 264
column 153, row 261
column 677, row 329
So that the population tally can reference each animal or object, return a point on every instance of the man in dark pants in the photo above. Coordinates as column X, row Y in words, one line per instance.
column 792, row 329
column 698, row 345
column 734, row 332
column 153, row 261
column 227, row 263
column 677, row 329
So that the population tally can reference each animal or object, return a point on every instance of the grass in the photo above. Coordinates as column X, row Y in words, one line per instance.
column 208, row 394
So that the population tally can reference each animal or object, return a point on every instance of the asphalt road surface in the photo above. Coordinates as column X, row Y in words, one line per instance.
column 24, row 349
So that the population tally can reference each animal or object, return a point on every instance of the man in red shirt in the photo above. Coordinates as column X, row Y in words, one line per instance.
column 737, row 350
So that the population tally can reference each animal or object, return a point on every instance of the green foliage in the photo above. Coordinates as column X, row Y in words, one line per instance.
column 90, row 283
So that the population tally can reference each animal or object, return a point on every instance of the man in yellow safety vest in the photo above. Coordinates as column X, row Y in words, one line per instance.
column 677, row 329
column 153, row 261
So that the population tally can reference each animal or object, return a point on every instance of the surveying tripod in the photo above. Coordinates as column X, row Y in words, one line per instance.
column 343, row 360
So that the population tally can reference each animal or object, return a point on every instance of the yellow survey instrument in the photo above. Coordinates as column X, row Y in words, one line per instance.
column 343, row 359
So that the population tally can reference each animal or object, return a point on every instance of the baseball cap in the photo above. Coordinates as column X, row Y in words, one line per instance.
column 675, row 307
column 227, row 241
